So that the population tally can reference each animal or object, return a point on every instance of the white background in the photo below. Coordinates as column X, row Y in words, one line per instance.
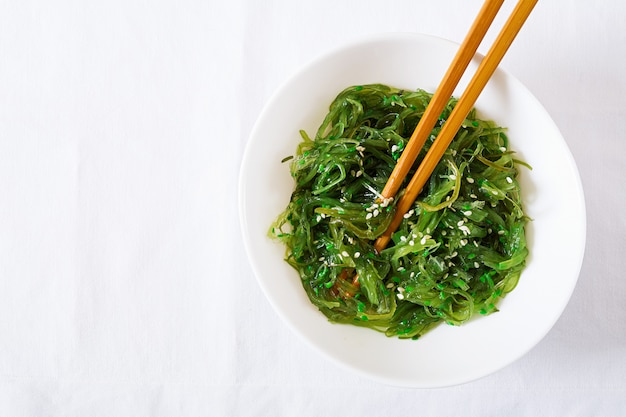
column 124, row 288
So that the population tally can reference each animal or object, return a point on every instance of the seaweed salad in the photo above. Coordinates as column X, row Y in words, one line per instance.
column 458, row 251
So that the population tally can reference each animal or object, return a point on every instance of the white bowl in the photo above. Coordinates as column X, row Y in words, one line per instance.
column 552, row 194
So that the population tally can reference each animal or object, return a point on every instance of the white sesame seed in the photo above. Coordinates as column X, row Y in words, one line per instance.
column 501, row 232
column 473, row 196
column 467, row 213
column 368, row 216
column 345, row 254
column 321, row 259
column 470, row 180
column 460, row 223
column 390, row 285
column 357, row 254
column 353, row 173
column 476, row 265
column 452, row 177
column 359, row 173
column 376, row 212
column 400, row 296
column 443, row 233
column 411, row 243
column 412, row 274
column 400, row 289
column 394, row 148
column 406, row 215
column 494, row 192
column 502, row 149
column 403, row 238
column 509, row 180
column 423, row 241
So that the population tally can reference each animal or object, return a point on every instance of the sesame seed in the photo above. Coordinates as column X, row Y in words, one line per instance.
column 368, row 216
column 423, row 241
column 400, row 296
column 502, row 149
column 390, row 285
column 411, row 243
column 470, row 180
column 463, row 242
column 494, row 192
column 412, row 274
column 394, row 148
column 501, row 232
column 452, row 177
column 403, row 238
column 467, row 213
column 473, row 196
column 460, row 223
column 376, row 212
column 345, row 254
column 509, row 180
column 357, row 254
column 359, row 173
column 321, row 259
column 476, row 265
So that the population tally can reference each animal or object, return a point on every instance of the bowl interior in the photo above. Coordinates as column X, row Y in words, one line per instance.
column 552, row 193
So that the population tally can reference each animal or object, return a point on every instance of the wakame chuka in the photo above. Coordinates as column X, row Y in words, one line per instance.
column 458, row 251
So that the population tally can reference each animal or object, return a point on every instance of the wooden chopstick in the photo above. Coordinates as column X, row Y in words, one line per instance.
column 467, row 100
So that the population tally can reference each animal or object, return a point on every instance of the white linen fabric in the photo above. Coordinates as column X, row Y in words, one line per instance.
column 124, row 287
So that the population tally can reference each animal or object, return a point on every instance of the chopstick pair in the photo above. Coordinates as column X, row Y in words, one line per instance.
column 440, row 98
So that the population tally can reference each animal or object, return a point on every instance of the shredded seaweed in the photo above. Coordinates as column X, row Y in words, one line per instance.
column 458, row 251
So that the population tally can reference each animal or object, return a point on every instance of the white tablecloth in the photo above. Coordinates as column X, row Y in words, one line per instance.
column 124, row 290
